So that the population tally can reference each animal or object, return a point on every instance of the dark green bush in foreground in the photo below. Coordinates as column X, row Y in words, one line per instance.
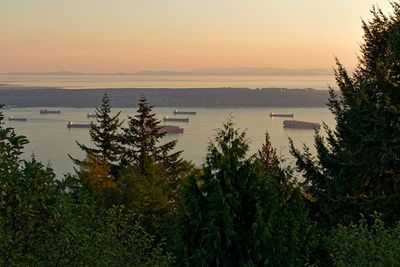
column 48, row 222
column 360, row 245
column 242, row 211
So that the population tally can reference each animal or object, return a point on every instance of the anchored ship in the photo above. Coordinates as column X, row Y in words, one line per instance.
column 11, row 118
column 91, row 115
column 166, row 118
column 181, row 112
column 301, row 124
column 46, row 111
column 171, row 129
column 78, row 125
column 281, row 115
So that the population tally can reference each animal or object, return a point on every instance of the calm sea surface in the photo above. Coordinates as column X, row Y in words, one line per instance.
column 156, row 81
column 51, row 141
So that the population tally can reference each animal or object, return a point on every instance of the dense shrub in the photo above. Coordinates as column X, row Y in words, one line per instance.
column 361, row 245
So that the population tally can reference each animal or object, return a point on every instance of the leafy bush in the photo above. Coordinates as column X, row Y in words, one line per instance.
column 242, row 211
column 363, row 245
column 50, row 222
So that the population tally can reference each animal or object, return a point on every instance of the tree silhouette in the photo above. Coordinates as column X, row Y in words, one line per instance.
column 357, row 168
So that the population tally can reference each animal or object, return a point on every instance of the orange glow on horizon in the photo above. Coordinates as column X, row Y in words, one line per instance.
column 128, row 36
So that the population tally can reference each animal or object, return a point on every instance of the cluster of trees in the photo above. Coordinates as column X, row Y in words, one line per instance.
column 130, row 166
column 135, row 202
column 50, row 222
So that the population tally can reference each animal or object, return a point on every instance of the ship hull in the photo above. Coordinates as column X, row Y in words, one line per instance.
column 45, row 111
column 91, row 115
column 78, row 125
column 178, row 112
column 165, row 119
column 281, row 115
column 169, row 129
column 16, row 119
column 293, row 124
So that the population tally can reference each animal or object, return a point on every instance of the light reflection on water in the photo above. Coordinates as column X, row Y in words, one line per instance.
column 157, row 81
column 51, row 141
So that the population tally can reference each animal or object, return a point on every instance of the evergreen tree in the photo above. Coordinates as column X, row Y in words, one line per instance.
column 152, row 172
column 294, row 240
column 46, row 221
column 141, row 141
column 357, row 168
column 106, row 151
column 104, row 134
column 235, row 212
column 148, row 195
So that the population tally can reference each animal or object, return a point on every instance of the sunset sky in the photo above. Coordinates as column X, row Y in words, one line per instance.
column 133, row 35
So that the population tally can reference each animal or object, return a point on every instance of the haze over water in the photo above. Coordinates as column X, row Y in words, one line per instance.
column 167, row 81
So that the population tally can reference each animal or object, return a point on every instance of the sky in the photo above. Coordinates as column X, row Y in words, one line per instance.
column 134, row 35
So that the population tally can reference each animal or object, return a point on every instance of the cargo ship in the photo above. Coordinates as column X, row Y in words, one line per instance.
column 293, row 124
column 281, row 115
column 78, row 125
column 171, row 129
column 181, row 112
column 11, row 118
column 166, row 118
column 91, row 115
column 46, row 111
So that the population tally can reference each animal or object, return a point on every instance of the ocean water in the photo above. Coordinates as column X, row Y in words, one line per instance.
column 156, row 81
column 51, row 141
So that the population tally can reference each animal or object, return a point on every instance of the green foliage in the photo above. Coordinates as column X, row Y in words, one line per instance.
column 152, row 173
column 237, row 213
column 50, row 222
column 11, row 146
column 295, row 238
column 357, row 165
column 363, row 246
column 147, row 195
column 105, row 137
column 95, row 173
column 141, row 141
column 29, row 213
column 132, row 245
column 149, row 174
column 104, row 133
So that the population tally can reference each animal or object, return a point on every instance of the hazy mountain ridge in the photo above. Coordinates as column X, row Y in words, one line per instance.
column 199, row 72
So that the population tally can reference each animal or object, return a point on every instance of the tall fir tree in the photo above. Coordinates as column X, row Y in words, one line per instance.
column 153, row 172
column 105, row 136
column 104, row 133
column 141, row 141
column 236, row 213
column 357, row 169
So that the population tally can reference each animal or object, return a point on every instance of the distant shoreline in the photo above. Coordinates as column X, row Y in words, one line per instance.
column 239, row 71
column 163, row 97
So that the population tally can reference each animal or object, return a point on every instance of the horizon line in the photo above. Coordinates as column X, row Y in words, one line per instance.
column 198, row 71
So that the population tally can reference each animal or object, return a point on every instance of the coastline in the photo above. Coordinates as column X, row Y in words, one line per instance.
column 22, row 96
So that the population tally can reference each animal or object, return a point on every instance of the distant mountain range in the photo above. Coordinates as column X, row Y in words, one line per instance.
column 243, row 72
column 200, row 72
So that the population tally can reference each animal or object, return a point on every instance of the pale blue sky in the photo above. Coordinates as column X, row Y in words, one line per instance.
column 130, row 35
